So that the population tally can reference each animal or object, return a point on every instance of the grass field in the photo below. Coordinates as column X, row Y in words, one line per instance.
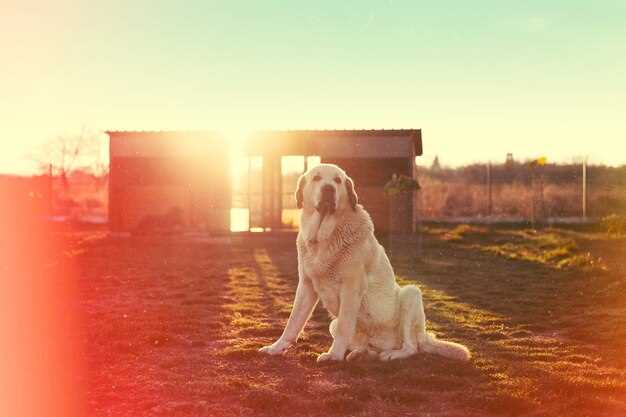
column 173, row 327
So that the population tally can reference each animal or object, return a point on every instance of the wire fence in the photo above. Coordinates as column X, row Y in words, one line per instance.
column 522, row 192
column 516, row 192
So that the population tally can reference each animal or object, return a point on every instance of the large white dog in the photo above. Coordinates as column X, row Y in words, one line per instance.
column 341, row 262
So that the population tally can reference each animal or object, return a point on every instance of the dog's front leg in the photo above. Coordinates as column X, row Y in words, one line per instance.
column 350, row 298
column 303, row 305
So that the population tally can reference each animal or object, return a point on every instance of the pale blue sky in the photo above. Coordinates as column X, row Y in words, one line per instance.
column 480, row 78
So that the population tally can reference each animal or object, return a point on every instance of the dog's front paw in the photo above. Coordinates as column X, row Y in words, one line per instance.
column 277, row 348
column 359, row 354
column 329, row 356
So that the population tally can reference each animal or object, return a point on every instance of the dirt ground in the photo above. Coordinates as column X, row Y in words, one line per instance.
column 173, row 326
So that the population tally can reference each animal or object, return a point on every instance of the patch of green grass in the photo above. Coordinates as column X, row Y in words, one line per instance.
column 464, row 231
column 544, row 247
column 240, row 320
column 615, row 225
column 550, row 247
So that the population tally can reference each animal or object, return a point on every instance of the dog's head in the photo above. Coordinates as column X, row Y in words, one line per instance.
column 327, row 189
column 324, row 193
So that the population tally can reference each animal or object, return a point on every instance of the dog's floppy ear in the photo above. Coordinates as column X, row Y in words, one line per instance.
column 300, row 191
column 352, row 197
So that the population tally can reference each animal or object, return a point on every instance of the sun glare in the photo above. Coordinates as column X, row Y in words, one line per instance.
column 238, row 160
column 247, row 184
column 239, row 166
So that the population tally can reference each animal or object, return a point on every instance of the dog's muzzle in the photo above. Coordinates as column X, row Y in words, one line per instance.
column 327, row 200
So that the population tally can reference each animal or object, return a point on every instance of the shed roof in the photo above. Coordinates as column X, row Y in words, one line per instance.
column 164, row 143
column 343, row 142
column 357, row 143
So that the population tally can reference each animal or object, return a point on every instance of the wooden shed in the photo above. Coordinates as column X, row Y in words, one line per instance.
column 168, row 179
column 370, row 157
column 195, row 180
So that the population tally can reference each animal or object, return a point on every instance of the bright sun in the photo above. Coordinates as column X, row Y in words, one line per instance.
column 242, row 166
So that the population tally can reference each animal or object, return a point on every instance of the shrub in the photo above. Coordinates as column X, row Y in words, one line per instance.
column 615, row 225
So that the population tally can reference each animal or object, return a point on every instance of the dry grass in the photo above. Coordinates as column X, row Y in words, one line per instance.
column 462, row 197
column 550, row 247
column 173, row 328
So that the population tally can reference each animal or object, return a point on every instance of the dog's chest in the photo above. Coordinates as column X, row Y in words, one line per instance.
column 320, row 269
column 318, row 262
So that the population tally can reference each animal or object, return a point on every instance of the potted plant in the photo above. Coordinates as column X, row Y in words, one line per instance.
column 396, row 189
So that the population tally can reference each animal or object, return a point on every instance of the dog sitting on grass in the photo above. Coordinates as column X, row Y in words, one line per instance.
column 341, row 263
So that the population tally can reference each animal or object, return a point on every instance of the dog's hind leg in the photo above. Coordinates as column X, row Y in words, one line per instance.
column 427, row 342
column 410, row 298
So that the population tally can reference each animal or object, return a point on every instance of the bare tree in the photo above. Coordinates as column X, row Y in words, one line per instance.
column 66, row 153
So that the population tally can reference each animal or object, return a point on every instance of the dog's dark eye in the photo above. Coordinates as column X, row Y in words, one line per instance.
column 317, row 178
column 337, row 180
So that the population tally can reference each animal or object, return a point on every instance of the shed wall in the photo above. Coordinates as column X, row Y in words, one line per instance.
column 162, row 182
column 370, row 176
column 153, row 173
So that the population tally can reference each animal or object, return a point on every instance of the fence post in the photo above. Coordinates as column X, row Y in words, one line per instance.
column 489, row 190
column 542, row 208
column 50, row 191
column 532, row 197
column 536, row 181
column 585, row 188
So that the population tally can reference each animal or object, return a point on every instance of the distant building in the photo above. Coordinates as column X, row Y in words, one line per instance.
column 186, row 176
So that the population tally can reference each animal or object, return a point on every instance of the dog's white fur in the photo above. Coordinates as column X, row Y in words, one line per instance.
column 341, row 262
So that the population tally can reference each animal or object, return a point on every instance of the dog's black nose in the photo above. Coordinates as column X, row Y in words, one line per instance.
column 327, row 200
column 328, row 191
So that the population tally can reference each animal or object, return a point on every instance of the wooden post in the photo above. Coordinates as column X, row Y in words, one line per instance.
column 278, row 193
column 272, row 191
column 489, row 190
column 50, row 190
column 585, row 188
column 533, row 197
column 542, row 210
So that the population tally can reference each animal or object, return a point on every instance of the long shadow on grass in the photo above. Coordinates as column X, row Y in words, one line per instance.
column 435, row 374
column 499, row 317
column 502, row 338
column 526, row 293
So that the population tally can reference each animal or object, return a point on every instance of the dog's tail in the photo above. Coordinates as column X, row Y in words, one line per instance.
column 429, row 343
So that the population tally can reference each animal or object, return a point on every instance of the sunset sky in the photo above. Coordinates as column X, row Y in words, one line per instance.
column 480, row 78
